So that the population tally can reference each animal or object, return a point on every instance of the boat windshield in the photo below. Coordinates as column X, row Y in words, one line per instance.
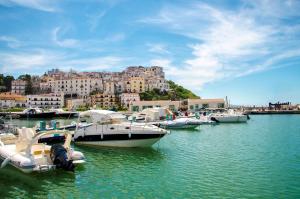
column 104, row 116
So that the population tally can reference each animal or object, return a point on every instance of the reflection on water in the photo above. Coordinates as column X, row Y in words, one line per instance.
column 15, row 183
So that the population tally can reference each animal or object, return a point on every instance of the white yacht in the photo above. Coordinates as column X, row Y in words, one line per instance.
column 228, row 117
column 114, row 130
column 28, row 155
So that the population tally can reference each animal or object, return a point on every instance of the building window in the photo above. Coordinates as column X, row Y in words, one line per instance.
column 191, row 107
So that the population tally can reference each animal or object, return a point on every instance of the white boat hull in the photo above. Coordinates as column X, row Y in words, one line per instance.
column 231, row 119
column 122, row 143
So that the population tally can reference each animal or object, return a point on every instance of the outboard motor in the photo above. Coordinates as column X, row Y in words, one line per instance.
column 59, row 157
column 214, row 119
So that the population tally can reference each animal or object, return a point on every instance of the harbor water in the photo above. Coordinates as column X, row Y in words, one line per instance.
column 257, row 159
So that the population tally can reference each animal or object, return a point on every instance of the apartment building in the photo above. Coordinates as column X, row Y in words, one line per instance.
column 51, row 100
column 81, row 86
column 157, row 83
column 18, row 87
column 137, row 84
column 10, row 100
column 106, row 101
column 127, row 98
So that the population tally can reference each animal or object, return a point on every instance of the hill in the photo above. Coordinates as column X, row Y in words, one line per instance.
column 176, row 92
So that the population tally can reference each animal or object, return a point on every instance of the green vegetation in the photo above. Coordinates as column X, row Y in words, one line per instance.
column 5, row 82
column 176, row 92
column 28, row 88
column 15, row 109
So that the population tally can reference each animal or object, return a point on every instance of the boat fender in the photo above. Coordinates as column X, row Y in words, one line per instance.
column 129, row 135
column 5, row 162
column 101, row 136
column 59, row 157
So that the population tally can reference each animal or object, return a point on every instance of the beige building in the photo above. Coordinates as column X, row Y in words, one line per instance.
column 157, row 83
column 127, row 98
column 190, row 105
column 51, row 100
column 18, row 87
column 81, row 86
column 141, row 105
column 137, row 84
column 110, row 87
column 10, row 100
column 75, row 103
column 198, row 104
column 105, row 101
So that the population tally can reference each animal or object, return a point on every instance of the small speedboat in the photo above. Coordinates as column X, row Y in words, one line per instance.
column 112, row 129
column 28, row 155
column 180, row 123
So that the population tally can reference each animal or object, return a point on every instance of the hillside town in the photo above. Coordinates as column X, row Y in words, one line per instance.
column 105, row 90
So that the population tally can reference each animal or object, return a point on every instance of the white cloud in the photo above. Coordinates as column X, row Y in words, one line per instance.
column 157, row 48
column 92, row 64
column 227, row 43
column 11, row 41
column 67, row 43
column 37, row 60
column 166, row 63
column 43, row 5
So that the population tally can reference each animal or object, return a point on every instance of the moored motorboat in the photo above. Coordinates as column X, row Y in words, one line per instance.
column 34, row 113
column 60, row 113
column 228, row 117
column 113, row 130
column 180, row 123
column 28, row 155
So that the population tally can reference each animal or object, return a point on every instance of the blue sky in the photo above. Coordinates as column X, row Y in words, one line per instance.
column 247, row 50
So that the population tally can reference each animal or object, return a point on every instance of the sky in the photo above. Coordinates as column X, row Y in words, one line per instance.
column 248, row 50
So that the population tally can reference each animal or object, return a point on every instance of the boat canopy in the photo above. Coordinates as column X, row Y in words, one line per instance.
column 103, row 116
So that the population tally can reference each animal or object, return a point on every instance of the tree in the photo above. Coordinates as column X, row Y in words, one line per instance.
column 7, row 82
column 28, row 88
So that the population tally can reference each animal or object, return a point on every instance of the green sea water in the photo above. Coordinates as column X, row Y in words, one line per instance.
column 258, row 159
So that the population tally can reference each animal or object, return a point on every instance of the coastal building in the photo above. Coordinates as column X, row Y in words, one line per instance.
column 50, row 100
column 198, row 104
column 10, row 100
column 106, row 101
column 136, row 106
column 127, row 98
column 80, row 86
column 190, row 105
column 110, row 87
column 18, row 86
column 157, row 83
column 137, row 84
column 75, row 103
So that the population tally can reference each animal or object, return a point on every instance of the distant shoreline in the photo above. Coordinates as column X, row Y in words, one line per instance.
column 273, row 112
